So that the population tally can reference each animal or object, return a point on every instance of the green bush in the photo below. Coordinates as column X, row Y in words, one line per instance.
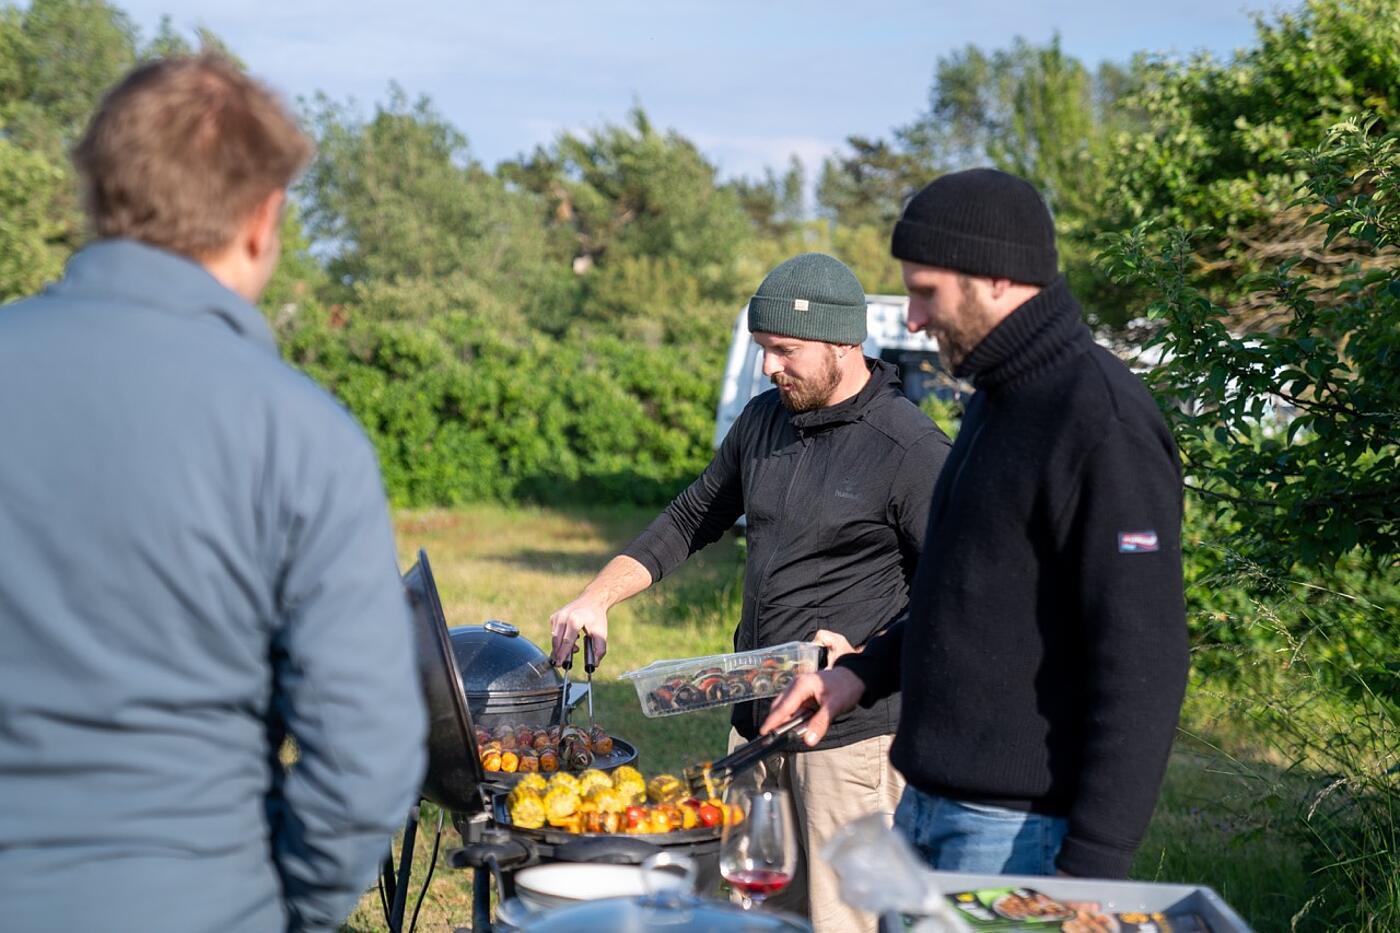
column 1326, row 484
column 458, row 415
column 947, row 415
column 1292, row 527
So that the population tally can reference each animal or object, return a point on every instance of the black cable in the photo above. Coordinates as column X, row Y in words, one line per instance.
column 383, row 900
column 432, row 863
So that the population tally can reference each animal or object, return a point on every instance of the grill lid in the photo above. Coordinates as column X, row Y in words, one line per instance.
column 454, row 772
column 495, row 659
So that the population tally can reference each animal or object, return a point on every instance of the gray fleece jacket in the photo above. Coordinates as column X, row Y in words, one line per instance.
column 195, row 560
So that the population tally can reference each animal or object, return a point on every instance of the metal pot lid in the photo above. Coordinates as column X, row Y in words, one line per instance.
column 496, row 659
column 681, row 914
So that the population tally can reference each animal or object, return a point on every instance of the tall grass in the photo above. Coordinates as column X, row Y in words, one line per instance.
column 1308, row 712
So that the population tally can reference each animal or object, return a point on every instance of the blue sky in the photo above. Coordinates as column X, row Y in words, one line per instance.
column 750, row 82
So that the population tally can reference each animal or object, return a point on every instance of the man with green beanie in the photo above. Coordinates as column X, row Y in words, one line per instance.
column 834, row 469
column 1044, row 656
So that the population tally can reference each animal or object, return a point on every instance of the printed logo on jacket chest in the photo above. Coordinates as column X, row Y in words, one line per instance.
column 1137, row 542
column 847, row 488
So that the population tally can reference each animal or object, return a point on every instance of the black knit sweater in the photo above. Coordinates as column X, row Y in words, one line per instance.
column 1045, row 655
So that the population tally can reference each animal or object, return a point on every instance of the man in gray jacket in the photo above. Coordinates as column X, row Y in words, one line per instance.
column 196, row 559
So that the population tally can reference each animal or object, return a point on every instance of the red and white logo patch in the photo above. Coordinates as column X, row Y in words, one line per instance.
column 1137, row 542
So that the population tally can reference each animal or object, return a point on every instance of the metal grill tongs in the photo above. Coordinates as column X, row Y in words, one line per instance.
column 590, row 664
column 710, row 780
column 564, row 666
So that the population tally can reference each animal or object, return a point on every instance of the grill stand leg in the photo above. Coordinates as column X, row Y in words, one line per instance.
column 398, row 890
column 481, row 900
column 386, row 879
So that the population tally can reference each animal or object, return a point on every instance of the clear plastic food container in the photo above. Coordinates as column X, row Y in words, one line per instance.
column 665, row 688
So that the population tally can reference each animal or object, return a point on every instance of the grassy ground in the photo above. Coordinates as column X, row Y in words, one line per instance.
column 1219, row 821
column 1217, row 824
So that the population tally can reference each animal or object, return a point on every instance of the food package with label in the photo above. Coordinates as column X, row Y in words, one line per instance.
column 1003, row 910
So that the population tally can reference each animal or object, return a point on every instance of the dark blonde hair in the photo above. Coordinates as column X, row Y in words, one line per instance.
column 181, row 152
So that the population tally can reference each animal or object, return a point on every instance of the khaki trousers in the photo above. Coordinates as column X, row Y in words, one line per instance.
column 829, row 788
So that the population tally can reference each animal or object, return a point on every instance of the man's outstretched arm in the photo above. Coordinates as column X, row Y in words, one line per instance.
column 699, row 515
column 621, row 579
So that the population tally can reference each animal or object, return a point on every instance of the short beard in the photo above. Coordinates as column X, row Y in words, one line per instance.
column 968, row 330
column 809, row 395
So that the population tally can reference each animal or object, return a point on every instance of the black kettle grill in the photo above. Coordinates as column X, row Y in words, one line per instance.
column 494, row 673
column 505, row 677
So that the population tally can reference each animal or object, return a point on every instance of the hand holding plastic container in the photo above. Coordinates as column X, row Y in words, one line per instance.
column 665, row 688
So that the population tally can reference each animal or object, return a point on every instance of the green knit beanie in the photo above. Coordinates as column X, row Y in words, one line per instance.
column 811, row 297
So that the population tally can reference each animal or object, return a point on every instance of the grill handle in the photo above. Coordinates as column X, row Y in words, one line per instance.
column 590, row 661
column 502, row 851
column 607, row 850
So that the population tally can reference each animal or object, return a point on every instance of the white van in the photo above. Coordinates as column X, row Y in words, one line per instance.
column 887, row 338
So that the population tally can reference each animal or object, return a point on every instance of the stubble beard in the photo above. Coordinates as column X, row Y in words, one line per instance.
column 813, row 393
column 950, row 348
column 958, row 338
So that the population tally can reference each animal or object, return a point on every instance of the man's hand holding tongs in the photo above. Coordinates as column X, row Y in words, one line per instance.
column 832, row 692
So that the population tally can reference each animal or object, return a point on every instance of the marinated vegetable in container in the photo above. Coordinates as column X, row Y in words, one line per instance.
column 669, row 687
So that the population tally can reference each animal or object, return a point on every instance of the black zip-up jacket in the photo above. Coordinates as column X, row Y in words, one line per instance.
column 1045, row 653
column 837, row 501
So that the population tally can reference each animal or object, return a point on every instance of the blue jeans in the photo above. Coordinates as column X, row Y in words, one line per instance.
column 955, row 835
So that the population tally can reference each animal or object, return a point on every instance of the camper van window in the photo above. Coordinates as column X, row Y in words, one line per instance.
column 922, row 373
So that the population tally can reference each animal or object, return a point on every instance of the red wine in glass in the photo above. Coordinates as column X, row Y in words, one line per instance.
column 758, row 852
column 758, row 883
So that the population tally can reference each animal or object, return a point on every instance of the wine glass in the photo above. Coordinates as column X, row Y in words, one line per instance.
column 758, row 847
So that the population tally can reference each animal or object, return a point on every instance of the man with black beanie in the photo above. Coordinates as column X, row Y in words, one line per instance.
column 1044, row 658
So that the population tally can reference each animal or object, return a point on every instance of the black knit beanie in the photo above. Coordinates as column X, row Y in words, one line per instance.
column 811, row 297
column 980, row 222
